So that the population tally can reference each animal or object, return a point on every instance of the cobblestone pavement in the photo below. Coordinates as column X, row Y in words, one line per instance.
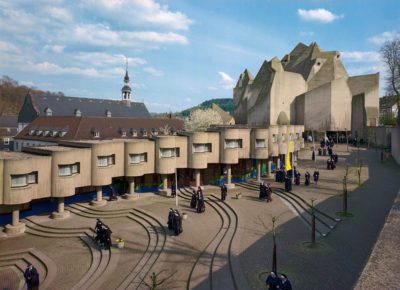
column 227, row 247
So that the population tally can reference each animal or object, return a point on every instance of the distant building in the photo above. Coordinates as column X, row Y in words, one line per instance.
column 388, row 104
column 40, row 105
column 308, row 87
column 45, row 131
column 8, row 129
column 225, row 116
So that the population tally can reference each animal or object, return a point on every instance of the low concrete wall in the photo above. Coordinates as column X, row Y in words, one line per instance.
column 396, row 144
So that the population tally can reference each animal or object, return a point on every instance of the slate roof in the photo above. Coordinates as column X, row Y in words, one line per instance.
column 82, row 128
column 35, row 106
column 8, row 121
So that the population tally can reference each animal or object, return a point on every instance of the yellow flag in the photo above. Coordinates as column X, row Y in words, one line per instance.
column 288, row 167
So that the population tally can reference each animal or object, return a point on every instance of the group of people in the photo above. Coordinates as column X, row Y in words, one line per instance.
column 103, row 235
column 265, row 192
column 198, row 200
column 175, row 221
column 273, row 282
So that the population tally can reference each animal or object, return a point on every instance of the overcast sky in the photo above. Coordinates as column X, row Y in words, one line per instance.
column 180, row 52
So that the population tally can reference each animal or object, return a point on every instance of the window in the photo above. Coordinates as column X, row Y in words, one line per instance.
column 273, row 138
column 154, row 131
column 78, row 113
column 297, row 136
column 144, row 132
column 31, row 132
column 133, row 132
column 108, row 113
column 283, row 137
column 6, row 141
column 104, row 161
column 200, row 148
column 62, row 134
column 233, row 143
column 68, row 170
column 48, row 112
column 22, row 180
column 290, row 136
column 138, row 158
column 169, row 152
column 260, row 143
column 96, row 134
column 38, row 132
column 122, row 131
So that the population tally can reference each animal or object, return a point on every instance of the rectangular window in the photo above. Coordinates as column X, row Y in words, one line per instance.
column 297, row 136
column 200, row 148
column 138, row 158
column 273, row 138
column 68, row 170
column 22, row 180
column 283, row 137
column 291, row 136
column 233, row 143
column 260, row 143
column 6, row 141
column 104, row 161
column 169, row 152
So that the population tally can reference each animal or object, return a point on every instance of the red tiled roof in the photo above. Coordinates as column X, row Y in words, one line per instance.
column 82, row 128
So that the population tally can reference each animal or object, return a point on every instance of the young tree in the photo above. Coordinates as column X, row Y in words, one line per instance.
column 390, row 53
column 200, row 120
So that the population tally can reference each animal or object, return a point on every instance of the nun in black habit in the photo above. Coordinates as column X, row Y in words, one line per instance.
column 171, row 219
column 194, row 200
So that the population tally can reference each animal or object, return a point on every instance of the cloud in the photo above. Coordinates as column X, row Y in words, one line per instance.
column 54, row 48
column 366, row 69
column 319, row 15
column 384, row 36
column 51, row 68
column 153, row 104
column 103, row 35
column 100, row 59
column 59, row 14
column 226, row 82
column 140, row 11
column 8, row 46
column 360, row 56
column 188, row 100
column 212, row 88
column 306, row 33
column 153, row 71
column 27, row 84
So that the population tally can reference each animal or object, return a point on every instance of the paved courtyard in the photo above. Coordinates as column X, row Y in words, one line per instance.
column 227, row 247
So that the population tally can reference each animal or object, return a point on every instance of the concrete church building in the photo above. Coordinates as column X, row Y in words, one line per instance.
column 308, row 87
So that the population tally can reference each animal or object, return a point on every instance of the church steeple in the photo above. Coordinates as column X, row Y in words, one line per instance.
column 126, row 89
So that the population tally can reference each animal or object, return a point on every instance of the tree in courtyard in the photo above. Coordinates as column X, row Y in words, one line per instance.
column 156, row 281
column 200, row 120
column 390, row 52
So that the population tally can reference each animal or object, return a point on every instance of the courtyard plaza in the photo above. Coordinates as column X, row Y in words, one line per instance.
column 227, row 247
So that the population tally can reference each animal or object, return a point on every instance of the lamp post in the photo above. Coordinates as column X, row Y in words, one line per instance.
column 274, row 262
column 176, row 181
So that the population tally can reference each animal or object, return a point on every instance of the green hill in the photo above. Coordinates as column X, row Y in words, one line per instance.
column 225, row 104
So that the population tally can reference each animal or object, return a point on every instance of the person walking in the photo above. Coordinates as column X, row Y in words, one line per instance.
column 31, row 277
column 272, row 281
column 284, row 283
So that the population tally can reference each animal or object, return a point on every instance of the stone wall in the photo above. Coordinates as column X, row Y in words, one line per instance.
column 396, row 144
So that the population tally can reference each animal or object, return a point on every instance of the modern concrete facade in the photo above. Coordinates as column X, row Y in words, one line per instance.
column 307, row 87
column 71, row 167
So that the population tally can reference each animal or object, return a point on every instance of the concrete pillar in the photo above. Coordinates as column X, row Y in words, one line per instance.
column 164, row 190
column 99, row 201
column 131, row 194
column 258, row 169
column 229, row 177
column 60, row 213
column 15, row 227
column 269, row 163
column 197, row 173
column 278, row 162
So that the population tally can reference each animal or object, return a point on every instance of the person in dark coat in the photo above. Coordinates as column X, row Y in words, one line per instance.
column 224, row 191
column 284, row 283
column 31, row 277
column 194, row 199
column 173, row 189
column 313, row 155
column 170, row 219
column 200, row 201
column 268, row 189
column 319, row 151
column 333, row 166
column 307, row 177
column 277, row 175
column 297, row 178
column 330, row 151
column 328, row 164
column 261, row 195
column 113, row 195
column 272, row 281
column 177, row 223
column 288, row 184
column 316, row 176
column 283, row 176
column 336, row 158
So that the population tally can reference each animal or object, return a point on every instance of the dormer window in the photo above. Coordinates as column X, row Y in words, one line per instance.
column 39, row 132
column 133, row 132
column 122, row 131
column 62, row 134
column 143, row 132
column 31, row 132
column 154, row 131
column 95, row 132
column 46, row 133
column 77, row 113
column 173, row 131
column 297, row 136
column 108, row 113
column 48, row 112
column 273, row 138
column 54, row 133
column 283, row 137
column 291, row 136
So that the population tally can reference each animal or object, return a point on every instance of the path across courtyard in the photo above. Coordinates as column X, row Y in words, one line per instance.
column 227, row 247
